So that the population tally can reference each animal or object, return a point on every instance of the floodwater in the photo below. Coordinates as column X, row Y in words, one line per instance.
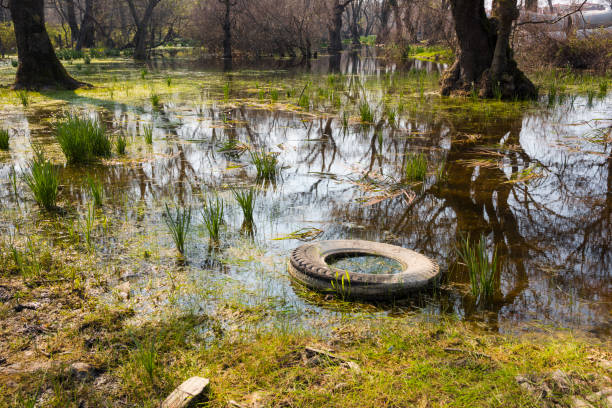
column 534, row 178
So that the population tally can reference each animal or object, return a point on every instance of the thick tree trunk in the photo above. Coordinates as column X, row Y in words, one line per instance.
column 385, row 11
column 38, row 65
column 484, row 62
column 335, row 26
column 227, row 30
column 399, row 26
column 87, row 32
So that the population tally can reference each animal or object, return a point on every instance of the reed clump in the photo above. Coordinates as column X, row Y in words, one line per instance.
column 43, row 180
column 82, row 140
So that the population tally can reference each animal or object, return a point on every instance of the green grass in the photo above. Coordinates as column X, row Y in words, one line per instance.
column 246, row 201
column 43, row 180
column 266, row 164
column 155, row 100
column 4, row 139
column 416, row 167
column 121, row 144
column 212, row 212
column 603, row 89
column 146, row 357
column 88, row 224
column 365, row 111
column 24, row 97
column 482, row 268
column 178, row 224
column 226, row 91
column 82, row 139
column 147, row 131
column 96, row 189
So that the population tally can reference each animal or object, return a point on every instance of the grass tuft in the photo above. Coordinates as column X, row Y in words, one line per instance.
column 24, row 97
column 155, row 101
column 416, row 167
column 481, row 268
column 266, row 164
column 178, row 224
column 121, row 144
column 212, row 212
column 246, row 200
column 43, row 180
column 82, row 140
column 148, row 133
column 365, row 111
column 96, row 189
column 4, row 139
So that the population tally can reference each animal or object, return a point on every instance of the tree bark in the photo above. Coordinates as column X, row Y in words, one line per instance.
column 335, row 28
column 227, row 29
column 38, row 66
column 87, row 31
column 399, row 26
column 72, row 21
column 354, row 23
column 142, row 25
column 484, row 61
column 531, row 5
column 385, row 11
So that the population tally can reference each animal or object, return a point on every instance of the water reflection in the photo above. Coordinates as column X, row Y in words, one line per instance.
column 553, row 231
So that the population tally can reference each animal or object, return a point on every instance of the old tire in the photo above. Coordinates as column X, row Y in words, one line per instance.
column 307, row 266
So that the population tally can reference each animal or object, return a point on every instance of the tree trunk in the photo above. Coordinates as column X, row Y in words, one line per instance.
column 227, row 30
column 38, row 65
column 385, row 11
column 72, row 21
column 531, row 5
column 335, row 28
column 142, row 25
column 354, row 21
column 87, row 32
column 397, row 16
column 484, row 61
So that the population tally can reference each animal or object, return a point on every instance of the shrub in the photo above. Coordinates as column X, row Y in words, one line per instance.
column 537, row 48
column 82, row 140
